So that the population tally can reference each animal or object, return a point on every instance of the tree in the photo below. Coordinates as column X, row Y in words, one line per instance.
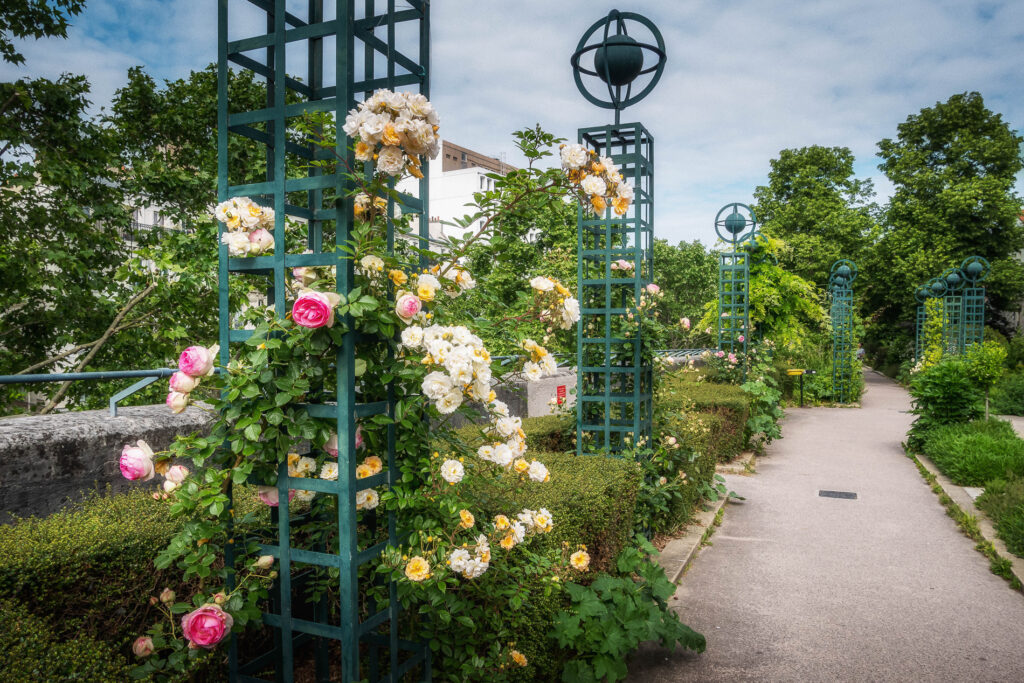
column 953, row 166
column 688, row 275
column 813, row 202
column 33, row 19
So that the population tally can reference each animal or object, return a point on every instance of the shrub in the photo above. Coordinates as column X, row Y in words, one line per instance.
column 1003, row 501
column 974, row 453
column 1008, row 394
column 30, row 652
column 942, row 394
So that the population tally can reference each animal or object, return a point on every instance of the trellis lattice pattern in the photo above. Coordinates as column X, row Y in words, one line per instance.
column 614, row 384
column 972, row 329
column 842, row 343
column 319, row 56
column 952, row 323
column 733, row 302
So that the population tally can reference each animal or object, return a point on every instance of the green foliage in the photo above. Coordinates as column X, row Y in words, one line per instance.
column 608, row 619
column 722, row 411
column 85, row 565
column 932, row 346
column 32, row 652
column 762, row 389
column 813, row 202
column 1008, row 395
column 33, row 19
column 974, row 453
column 986, row 364
column 1003, row 501
column 942, row 394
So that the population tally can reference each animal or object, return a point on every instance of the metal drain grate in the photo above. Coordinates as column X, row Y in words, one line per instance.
column 838, row 494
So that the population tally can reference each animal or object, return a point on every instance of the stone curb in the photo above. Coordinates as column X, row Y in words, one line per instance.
column 963, row 499
column 678, row 553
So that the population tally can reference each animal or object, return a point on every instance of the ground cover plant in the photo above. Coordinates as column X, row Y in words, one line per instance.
column 1003, row 502
column 974, row 453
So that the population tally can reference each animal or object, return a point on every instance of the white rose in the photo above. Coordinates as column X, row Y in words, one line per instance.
column 305, row 496
column 461, row 373
column 518, row 531
column 485, row 452
column 594, row 185
column 532, row 371
column 371, row 264
column 503, row 455
column 238, row 243
column 412, row 336
column 573, row 156
column 452, row 471
column 571, row 307
column 449, row 403
column 367, row 499
column 548, row 365
column 436, row 385
column 507, row 426
column 391, row 160
column 458, row 559
column 481, row 388
column 542, row 284
column 371, row 128
column 625, row 191
column 609, row 166
column 329, row 471
column 474, row 568
column 499, row 407
column 538, row 472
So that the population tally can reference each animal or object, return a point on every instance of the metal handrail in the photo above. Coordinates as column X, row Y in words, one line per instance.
column 148, row 377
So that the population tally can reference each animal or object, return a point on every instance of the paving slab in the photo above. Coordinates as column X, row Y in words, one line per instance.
column 883, row 587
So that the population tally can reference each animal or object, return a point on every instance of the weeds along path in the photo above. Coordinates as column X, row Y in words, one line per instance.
column 883, row 587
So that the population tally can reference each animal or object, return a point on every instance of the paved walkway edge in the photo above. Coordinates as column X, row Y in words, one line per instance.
column 965, row 502
column 678, row 553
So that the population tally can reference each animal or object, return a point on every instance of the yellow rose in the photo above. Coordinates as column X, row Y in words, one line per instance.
column 467, row 519
column 501, row 522
column 508, row 542
column 364, row 471
column 580, row 560
column 597, row 201
column 418, row 569
column 374, row 463
column 518, row 657
column 398, row 277
column 521, row 465
column 425, row 292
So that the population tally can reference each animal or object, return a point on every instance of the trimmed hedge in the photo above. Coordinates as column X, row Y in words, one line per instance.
column 726, row 407
column 31, row 652
column 974, row 453
column 592, row 500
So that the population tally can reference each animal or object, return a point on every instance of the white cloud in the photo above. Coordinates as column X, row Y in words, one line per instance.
column 744, row 78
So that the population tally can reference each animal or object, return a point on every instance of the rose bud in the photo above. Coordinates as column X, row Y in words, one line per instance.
column 167, row 596
column 177, row 401
column 265, row 561
column 183, row 383
column 177, row 474
column 143, row 646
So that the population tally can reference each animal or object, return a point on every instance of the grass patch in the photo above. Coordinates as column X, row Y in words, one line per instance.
column 1003, row 502
column 977, row 452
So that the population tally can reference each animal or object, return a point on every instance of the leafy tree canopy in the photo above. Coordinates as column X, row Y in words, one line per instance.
column 33, row 19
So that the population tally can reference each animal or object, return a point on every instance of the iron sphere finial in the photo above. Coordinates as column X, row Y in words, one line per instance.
column 975, row 269
column 937, row 286
column 619, row 59
column 846, row 269
column 954, row 279
column 736, row 227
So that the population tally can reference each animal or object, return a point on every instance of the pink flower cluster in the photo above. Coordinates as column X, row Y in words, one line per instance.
column 195, row 363
column 136, row 464
column 622, row 264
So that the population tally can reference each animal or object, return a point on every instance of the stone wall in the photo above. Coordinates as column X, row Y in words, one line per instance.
column 50, row 460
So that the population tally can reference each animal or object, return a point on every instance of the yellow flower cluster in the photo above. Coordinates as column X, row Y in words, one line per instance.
column 394, row 129
column 556, row 302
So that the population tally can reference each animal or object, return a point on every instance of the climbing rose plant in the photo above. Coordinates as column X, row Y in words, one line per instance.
column 406, row 351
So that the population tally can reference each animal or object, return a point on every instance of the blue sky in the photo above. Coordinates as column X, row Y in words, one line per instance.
column 744, row 78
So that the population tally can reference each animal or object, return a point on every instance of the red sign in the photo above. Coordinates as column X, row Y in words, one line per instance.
column 560, row 393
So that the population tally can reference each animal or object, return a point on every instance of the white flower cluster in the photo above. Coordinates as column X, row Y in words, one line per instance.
column 526, row 522
column 556, row 301
column 596, row 179
column 541, row 363
column 394, row 129
column 249, row 226
column 464, row 365
column 471, row 565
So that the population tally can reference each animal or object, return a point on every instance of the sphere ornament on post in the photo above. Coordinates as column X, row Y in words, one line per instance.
column 954, row 278
column 736, row 228
column 975, row 269
column 619, row 59
column 937, row 287
column 843, row 273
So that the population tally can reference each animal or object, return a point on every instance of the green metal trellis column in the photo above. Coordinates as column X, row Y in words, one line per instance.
column 921, row 295
column 614, row 381
column 843, row 273
column 972, row 330
column 733, row 323
column 338, row 39
column 952, row 312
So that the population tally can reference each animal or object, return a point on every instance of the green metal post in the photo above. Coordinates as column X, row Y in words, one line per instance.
column 614, row 381
column 841, row 278
column 363, row 628
column 733, row 322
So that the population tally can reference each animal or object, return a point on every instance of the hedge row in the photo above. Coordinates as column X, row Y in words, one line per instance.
column 724, row 408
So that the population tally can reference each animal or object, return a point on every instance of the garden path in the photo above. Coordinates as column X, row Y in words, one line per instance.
column 801, row 587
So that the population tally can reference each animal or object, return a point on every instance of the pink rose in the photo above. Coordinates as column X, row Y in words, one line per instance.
column 732, row 358
column 268, row 494
column 685, row 322
column 177, row 401
column 315, row 309
column 206, row 626
column 359, row 436
column 183, row 383
column 176, row 474
column 331, row 446
column 137, row 462
column 720, row 354
column 143, row 646
column 407, row 306
column 653, row 288
column 741, row 338
column 260, row 240
column 197, row 361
